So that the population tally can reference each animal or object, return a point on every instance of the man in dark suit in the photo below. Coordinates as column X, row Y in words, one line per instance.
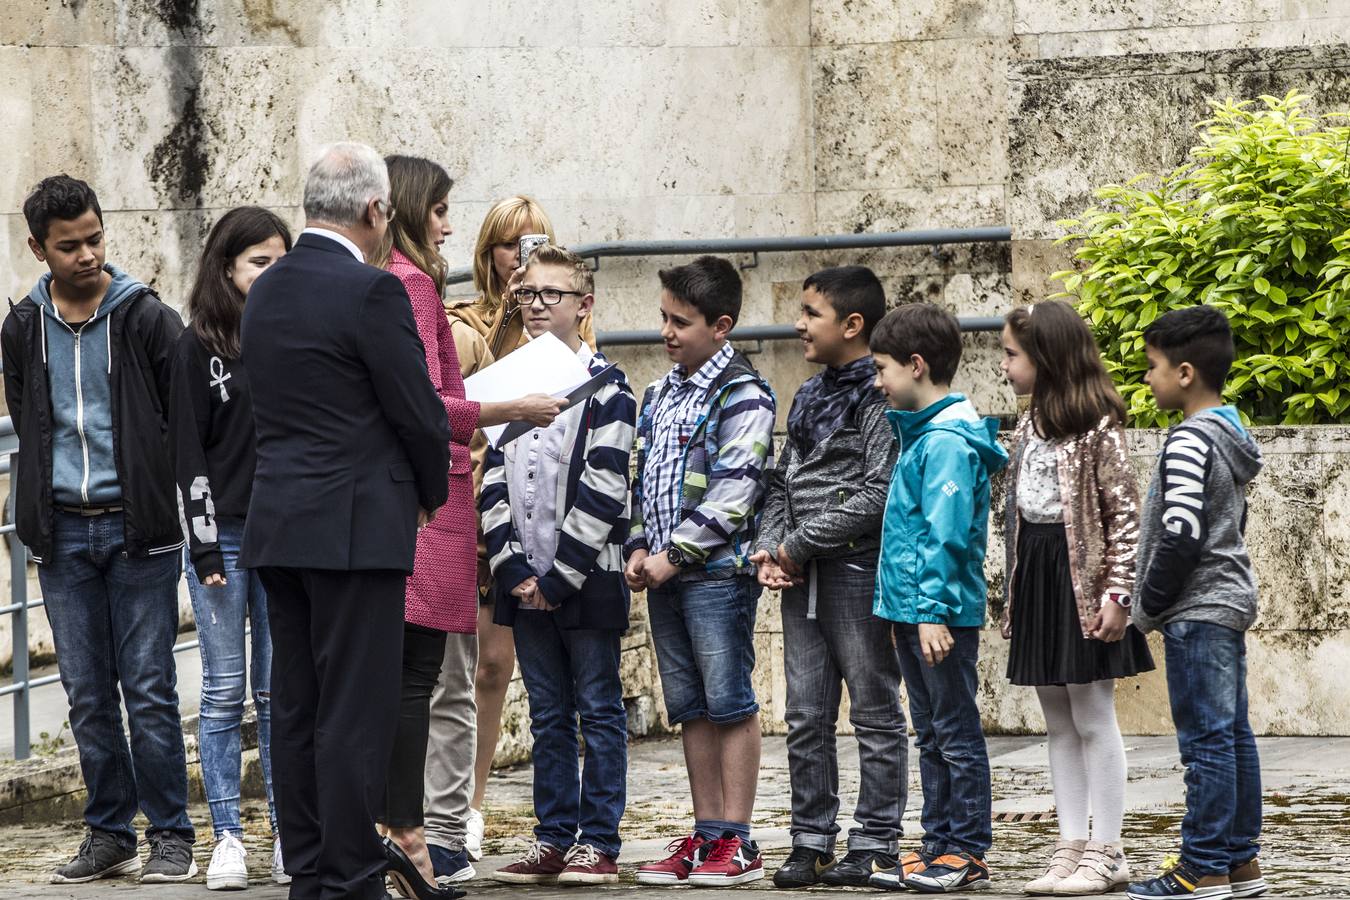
column 353, row 456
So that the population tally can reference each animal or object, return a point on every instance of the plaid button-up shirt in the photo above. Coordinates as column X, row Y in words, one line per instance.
column 682, row 402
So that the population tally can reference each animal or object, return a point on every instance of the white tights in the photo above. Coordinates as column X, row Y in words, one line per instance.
column 1087, row 759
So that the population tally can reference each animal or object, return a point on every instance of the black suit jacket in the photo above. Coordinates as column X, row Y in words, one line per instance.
column 352, row 437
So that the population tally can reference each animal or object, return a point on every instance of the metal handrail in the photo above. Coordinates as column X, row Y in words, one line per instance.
column 769, row 332
column 790, row 244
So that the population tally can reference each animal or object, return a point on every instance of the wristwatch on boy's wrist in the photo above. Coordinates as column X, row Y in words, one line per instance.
column 1122, row 600
column 677, row 557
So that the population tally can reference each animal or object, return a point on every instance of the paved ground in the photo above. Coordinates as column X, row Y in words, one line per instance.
column 1307, row 783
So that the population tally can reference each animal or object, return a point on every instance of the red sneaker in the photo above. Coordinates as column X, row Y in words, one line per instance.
column 730, row 861
column 541, row 864
column 587, row 865
column 686, row 854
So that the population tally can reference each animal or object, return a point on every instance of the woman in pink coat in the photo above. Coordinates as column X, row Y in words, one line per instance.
column 442, row 594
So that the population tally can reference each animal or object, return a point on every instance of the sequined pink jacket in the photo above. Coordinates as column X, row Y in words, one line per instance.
column 1101, row 515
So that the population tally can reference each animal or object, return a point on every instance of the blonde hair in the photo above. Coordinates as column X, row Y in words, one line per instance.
column 583, row 279
column 506, row 220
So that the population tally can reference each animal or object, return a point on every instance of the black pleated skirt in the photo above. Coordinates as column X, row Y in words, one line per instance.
column 1047, row 645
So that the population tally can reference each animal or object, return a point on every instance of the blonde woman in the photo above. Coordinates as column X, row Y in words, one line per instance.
column 484, row 328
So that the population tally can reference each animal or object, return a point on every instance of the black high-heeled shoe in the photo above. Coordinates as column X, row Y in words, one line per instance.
column 408, row 881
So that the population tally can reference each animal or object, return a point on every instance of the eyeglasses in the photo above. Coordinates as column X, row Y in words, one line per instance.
column 548, row 296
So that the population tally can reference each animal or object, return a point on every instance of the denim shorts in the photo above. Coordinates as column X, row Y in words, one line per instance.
column 704, row 633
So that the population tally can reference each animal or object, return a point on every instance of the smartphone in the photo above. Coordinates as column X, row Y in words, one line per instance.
column 528, row 243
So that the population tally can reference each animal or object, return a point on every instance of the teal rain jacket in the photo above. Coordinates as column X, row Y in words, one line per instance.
column 937, row 515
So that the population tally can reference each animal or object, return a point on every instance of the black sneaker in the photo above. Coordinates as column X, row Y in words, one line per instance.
column 857, row 867
column 802, row 868
column 100, row 856
column 170, row 860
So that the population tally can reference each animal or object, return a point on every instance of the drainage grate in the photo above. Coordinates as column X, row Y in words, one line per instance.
column 1025, row 816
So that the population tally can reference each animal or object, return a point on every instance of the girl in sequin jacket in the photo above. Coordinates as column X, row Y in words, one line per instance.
column 1072, row 529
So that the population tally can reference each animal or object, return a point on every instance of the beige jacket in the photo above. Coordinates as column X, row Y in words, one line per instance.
column 1101, row 515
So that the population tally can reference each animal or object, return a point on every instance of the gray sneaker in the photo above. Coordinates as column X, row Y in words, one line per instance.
column 170, row 860
column 101, row 856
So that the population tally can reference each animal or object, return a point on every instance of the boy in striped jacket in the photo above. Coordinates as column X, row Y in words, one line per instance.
column 555, row 511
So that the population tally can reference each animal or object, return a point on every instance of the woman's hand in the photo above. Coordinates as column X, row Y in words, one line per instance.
column 539, row 409
column 215, row 579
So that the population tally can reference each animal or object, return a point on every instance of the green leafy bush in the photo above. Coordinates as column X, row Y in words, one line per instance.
column 1258, row 225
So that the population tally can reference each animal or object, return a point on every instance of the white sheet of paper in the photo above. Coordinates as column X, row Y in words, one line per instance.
column 543, row 366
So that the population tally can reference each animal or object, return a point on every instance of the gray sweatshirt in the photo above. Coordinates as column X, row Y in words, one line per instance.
column 79, row 368
column 1193, row 564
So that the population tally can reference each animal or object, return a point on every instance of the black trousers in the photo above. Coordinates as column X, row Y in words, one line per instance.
column 337, row 646
column 423, row 654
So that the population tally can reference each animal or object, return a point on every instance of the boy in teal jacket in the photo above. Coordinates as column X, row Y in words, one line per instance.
column 931, row 584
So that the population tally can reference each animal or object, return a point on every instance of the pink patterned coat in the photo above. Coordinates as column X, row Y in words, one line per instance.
column 443, row 588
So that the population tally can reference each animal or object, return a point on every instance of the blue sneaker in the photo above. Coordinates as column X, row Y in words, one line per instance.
column 1181, row 880
column 451, row 866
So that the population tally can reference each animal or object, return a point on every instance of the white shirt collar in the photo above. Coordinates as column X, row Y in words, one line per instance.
column 341, row 239
column 585, row 355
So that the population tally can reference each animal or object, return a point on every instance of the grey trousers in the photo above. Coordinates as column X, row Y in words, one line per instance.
column 451, row 745
column 843, row 645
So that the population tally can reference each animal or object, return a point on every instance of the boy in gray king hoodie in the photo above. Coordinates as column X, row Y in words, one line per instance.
column 86, row 364
column 1196, row 586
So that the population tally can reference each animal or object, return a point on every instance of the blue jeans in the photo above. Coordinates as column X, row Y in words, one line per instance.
column 1207, row 686
column 571, row 673
column 704, row 632
column 114, row 622
column 221, row 613
column 953, row 761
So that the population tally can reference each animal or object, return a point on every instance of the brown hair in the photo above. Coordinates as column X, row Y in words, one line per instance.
column 921, row 329
column 215, row 307
column 504, row 222
column 1073, row 392
column 416, row 185
column 583, row 279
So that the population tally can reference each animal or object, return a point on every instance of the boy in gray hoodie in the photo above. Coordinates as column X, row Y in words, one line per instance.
column 1196, row 586
column 86, row 366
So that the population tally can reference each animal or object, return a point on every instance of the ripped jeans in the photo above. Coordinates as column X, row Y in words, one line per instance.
column 221, row 613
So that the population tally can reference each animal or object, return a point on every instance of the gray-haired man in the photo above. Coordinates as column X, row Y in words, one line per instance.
column 353, row 455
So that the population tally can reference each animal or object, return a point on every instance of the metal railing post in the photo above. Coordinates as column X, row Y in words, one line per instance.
column 18, row 597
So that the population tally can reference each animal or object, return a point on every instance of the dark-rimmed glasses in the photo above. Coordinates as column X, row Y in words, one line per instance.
column 548, row 296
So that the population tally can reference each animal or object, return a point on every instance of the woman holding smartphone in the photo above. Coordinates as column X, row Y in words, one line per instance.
column 442, row 596
column 485, row 328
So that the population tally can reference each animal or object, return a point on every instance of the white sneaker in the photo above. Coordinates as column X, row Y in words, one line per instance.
column 279, row 875
column 473, row 834
column 227, row 871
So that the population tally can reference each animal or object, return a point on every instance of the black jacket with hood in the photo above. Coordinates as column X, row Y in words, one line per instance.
column 141, row 338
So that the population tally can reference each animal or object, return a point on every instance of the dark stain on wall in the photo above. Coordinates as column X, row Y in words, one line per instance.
column 179, row 15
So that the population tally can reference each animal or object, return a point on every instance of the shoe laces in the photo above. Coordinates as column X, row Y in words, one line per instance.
column 535, row 855
column 723, row 849
column 1170, row 862
column 229, row 846
column 856, row 857
column 160, row 846
column 582, row 855
column 681, row 847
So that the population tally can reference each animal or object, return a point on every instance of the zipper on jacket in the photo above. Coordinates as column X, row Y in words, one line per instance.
column 79, row 413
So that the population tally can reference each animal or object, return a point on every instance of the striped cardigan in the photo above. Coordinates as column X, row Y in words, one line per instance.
column 592, row 481
column 725, row 468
